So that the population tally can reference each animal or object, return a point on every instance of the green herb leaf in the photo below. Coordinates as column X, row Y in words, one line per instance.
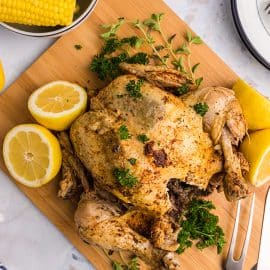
column 108, row 68
column 160, row 48
column 194, row 68
column 196, row 40
column 142, row 138
column 171, row 38
column 138, row 24
column 134, row 88
column 201, row 108
column 138, row 58
column 134, row 41
column 153, row 23
column 111, row 45
column 117, row 266
column 157, row 16
column 200, row 225
column 199, row 81
column 183, row 49
column 182, row 90
column 113, row 28
column 124, row 177
column 78, row 46
column 193, row 39
column 132, row 161
column 188, row 36
column 134, row 264
column 124, row 133
column 179, row 64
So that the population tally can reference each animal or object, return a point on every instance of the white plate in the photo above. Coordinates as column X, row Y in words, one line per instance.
column 253, row 24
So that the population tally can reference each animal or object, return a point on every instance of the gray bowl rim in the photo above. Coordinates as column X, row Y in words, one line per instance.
column 58, row 32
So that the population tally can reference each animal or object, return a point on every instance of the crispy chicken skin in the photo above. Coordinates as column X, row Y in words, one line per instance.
column 177, row 147
column 160, row 76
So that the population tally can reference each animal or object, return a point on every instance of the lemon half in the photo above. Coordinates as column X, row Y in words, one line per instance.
column 256, row 107
column 2, row 77
column 57, row 104
column 32, row 154
column 256, row 149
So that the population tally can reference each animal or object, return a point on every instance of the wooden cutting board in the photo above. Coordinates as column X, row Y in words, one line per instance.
column 63, row 62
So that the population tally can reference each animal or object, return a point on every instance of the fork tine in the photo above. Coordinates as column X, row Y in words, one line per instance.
column 235, row 230
column 250, row 221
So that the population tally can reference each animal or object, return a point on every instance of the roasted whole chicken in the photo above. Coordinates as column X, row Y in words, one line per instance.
column 168, row 155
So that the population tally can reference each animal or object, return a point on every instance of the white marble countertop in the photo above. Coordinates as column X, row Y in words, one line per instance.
column 27, row 239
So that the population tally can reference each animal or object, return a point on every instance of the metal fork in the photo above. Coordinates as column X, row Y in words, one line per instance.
column 232, row 264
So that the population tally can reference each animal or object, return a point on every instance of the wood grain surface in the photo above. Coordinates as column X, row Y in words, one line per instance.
column 63, row 62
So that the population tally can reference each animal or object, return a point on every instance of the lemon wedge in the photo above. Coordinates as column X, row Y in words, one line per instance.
column 256, row 149
column 2, row 77
column 32, row 154
column 256, row 107
column 57, row 104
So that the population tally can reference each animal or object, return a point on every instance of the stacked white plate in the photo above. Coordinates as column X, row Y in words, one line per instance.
column 252, row 20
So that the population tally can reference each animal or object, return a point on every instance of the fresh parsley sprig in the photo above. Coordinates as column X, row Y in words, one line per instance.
column 200, row 225
column 134, row 88
column 201, row 108
column 124, row 177
column 142, row 138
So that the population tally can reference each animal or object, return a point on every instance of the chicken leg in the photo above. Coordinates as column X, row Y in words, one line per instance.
column 100, row 222
column 225, row 122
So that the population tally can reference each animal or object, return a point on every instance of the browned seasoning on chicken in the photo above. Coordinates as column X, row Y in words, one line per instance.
column 185, row 156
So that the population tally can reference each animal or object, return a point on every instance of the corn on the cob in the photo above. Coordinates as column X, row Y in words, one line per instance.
column 37, row 12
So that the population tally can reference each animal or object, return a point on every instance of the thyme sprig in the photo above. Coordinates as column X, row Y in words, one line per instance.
column 117, row 50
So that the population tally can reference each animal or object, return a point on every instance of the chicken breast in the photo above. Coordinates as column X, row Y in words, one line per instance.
column 163, row 136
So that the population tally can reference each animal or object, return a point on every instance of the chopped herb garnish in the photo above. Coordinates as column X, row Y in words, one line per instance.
column 123, row 133
column 134, row 88
column 134, row 264
column 200, row 225
column 108, row 68
column 138, row 58
column 124, row 177
column 134, row 41
column 78, row 46
column 111, row 45
column 183, row 89
column 201, row 108
column 117, row 266
column 132, row 161
column 143, row 138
